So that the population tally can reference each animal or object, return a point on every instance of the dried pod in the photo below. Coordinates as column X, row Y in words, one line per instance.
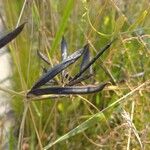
column 67, row 90
column 10, row 36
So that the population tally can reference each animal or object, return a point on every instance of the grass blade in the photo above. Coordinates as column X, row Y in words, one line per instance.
column 79, row 129
column 63, row 23
column 95, row 118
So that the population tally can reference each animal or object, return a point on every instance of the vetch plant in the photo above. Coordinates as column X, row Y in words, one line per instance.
column 68, row 88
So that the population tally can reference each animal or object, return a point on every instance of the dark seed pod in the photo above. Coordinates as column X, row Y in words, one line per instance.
column 92, row 61
column 43, row 57
column 58, row 68
column 79, row 80
column 86, row 58
column 64, row 55
column 10, row 36
column 63, row 48
column 67, row 90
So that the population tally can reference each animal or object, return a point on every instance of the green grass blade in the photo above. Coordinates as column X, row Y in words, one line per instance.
column 94, row 119
column 138, row 21
column 80, row 128
column 67, row 11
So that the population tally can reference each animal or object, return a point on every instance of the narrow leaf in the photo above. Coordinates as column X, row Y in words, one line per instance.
column 63, row 23
column 10, row 36
column 138, row 21
column 97, row 118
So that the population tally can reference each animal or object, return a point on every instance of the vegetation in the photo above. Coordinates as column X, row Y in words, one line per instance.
column 117, row 117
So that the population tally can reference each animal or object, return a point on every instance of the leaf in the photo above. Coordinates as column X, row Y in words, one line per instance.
column 119, row 24
column 97, row 118
column 138, row 21
column 67, row 90
column 63, row 23
column 58, row 68
column 10, row 36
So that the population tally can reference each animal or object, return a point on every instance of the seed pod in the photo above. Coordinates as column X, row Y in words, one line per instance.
column 10, row 36
column 58, row 68
column 63, row 49
column 92, row 61
column 67, row 90
column 43, row 57
column 63, row 56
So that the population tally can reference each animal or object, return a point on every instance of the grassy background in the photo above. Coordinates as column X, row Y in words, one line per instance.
column 116, row 118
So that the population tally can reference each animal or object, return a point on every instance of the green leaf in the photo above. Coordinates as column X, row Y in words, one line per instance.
column 79, row 129
column 67, row 11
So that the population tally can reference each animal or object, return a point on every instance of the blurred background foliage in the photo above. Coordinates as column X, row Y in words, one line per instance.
column 41, row 122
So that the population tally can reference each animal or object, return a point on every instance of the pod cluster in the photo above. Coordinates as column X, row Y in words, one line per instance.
column 85, row 72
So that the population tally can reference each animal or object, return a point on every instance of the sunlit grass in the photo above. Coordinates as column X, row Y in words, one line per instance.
column 80, row 122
